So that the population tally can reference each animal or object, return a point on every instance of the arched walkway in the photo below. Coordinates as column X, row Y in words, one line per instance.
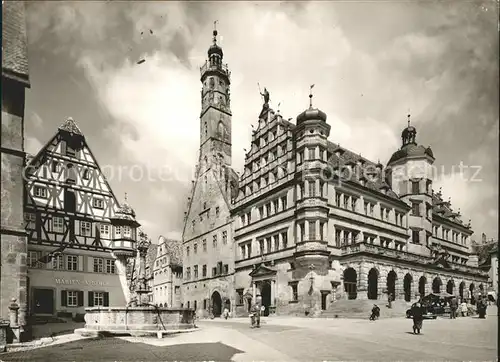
column 436, row 285
column 391, row 284
column 266, row 296
column 216, row 304
column 350, row 283
column 461, row 289
column 450, row 286
column 373, row 284
column 407, row 286
column 421, row 286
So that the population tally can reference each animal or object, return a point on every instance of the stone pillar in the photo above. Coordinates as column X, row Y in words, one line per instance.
column 14, row 319
column 382, row 285
column 400, row 291
column 317, row 189
column 306, row 188
column 306, row 230
column 362, row 282
column 317, row 226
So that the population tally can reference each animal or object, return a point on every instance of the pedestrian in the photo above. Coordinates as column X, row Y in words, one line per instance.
column 226, row 313
column 453, row 308
column 418, row 317
column 464, row 308
column 389, row 297
column 481, row 307
column 375, row 313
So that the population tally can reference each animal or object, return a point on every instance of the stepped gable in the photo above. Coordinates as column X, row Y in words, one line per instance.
column 174, row 250
column 443, row 209
column 346, row 157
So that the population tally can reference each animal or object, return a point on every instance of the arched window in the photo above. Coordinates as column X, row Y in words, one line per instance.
column 220, row 129
column 206, row 129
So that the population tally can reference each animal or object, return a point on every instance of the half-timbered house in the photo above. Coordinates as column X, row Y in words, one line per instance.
column 70, row 210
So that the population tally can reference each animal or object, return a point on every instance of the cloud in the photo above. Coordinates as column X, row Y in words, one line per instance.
column 370, row 64
column 32, row 145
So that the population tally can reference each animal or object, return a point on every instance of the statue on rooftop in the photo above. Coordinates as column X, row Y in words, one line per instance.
column 265, row 95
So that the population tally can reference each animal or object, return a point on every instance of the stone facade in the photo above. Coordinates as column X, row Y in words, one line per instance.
column 167, row 274
column 313, row 222
column 15, row 80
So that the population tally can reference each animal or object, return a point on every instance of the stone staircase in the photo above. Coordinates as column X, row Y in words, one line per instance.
column 361, row 309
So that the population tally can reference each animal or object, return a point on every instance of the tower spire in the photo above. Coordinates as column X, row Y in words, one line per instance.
column 409, row 115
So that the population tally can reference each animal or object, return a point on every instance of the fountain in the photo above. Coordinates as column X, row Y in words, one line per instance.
column 139, row 317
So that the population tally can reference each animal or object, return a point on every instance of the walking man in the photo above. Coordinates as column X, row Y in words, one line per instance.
column 453, row 308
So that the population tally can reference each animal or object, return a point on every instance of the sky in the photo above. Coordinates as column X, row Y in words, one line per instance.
column 372, row 63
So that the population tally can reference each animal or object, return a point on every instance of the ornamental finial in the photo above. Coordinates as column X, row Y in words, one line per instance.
column 215, row 31
column 409, row 117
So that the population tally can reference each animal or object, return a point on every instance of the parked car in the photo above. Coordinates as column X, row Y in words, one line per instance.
column 429, row 312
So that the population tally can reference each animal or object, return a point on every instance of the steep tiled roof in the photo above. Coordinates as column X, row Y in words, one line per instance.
column 150, row 259
column 14, row 41
column 443, row 209
column 376, row 183
column 174, row 250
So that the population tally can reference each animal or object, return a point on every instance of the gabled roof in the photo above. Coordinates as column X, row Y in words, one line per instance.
column 173, row 250
column 70, row 126
column 14, row 42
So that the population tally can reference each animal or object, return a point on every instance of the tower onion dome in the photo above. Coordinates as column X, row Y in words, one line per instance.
column 125, row 215
column 311, row 114
column 410, row 148
column 214, row 48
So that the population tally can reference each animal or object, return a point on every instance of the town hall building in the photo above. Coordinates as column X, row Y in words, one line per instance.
column 309, row 222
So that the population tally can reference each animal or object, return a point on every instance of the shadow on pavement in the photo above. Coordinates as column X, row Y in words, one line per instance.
column 99, row 349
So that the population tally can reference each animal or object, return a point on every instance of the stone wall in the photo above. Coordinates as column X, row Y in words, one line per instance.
column 13, row 246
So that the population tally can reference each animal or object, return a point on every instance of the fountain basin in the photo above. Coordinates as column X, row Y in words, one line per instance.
column 137, row 321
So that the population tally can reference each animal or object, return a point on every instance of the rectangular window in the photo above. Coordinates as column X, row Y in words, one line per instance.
column 276, row 242
column 72, row 298
column 337, row 199
column 261, row 245
column 195, row 269
column 337, row 237
column 415, row 188
column 58, row 262
column 224, row 237
column 312, row 155
column 98, row 203
column 30, row 219
column 354, row 202
column 110, row 266
column 98, row 299
column 118, row 231
column 268, row 209
column 40, row 192
column 33, row 257
column 217, row 211
column 243, row 249
column 312, row 189
column 98, row 265
column 85, row 228
column 195, row 248
column 261, row 212
column 214, row 271
column 249, row 218
column 188, row 273
column 415, row 236
column 415, row 208
column 276, row 205
column 55, row 166
column 226, row 269
column 204, row 244
column 312, row 230
column 284, row 238
column 214, row 241
column 204, row 271
column 104, row 230
column 295, row 294
column 57, row 224
column 187, row 251
column 72, row 262
column 269, row 245
column 283, row 203
column 126, row 231
column 346, row 201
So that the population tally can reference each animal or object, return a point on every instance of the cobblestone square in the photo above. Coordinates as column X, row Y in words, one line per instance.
column 294, row 339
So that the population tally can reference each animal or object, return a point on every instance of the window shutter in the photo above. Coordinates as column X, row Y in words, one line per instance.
column 106, row 299
column 80, row 262
column 64, row 299
column 80, row 298
column 91, row 299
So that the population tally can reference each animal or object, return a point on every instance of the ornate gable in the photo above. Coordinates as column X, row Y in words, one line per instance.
column 262, row 271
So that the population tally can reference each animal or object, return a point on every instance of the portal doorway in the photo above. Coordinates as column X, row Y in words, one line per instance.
column 324, row 294
column 266, row 296
column 450, row 286
column 421, row 286
column 43, row 301
column 407, row 286
column 216, row 304
column 373, row 284
column 350, row 283
column 391, row 284
column 436, row 285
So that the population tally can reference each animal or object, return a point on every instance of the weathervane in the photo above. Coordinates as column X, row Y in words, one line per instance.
column 215, row 31
column 311, row 95
column 409, row 115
